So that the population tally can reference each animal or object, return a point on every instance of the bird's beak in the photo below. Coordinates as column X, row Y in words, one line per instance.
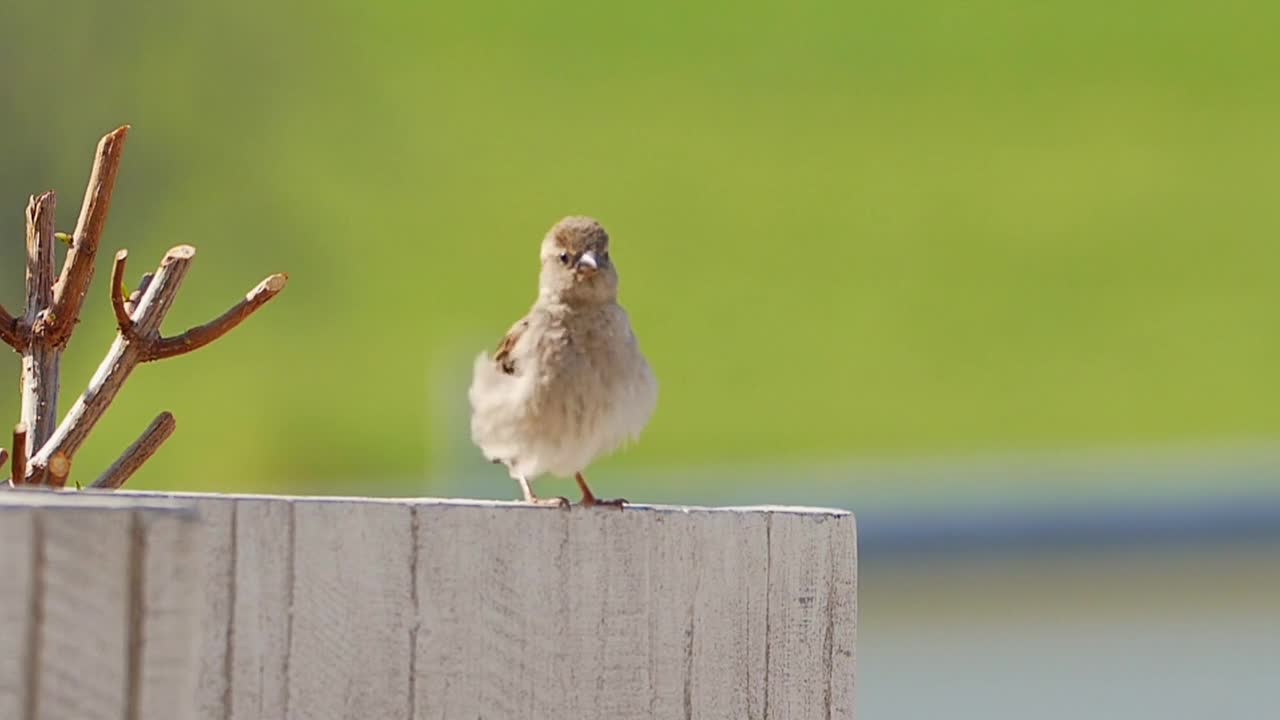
column 588, row 260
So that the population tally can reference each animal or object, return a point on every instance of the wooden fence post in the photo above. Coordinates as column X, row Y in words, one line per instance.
column 346, row 607
column 100, row 617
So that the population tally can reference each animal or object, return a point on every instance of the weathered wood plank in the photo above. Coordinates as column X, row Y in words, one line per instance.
column 166, row 608
column 844, row 613
column 533, row 612
column 263, row 583
column 727, row 669
column 670, row 557
column 82, row 653
column 352, row 610
column 85, row 620
column 806, row 617
column 217, row 587
column 19, row 549
column 605, row 625
column 451, row 638
column 335, row 608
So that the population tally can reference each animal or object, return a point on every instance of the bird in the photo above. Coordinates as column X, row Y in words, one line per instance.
column 567, row 384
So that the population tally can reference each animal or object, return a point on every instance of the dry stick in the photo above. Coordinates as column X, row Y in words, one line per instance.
column 11, row 332
column 41, row 356
column 117, row 294
column 131, row 303
column 77, row 269
column 138, row 453
column 19, row 453
column 139, row 341
column 198, row 337
column 125, row 354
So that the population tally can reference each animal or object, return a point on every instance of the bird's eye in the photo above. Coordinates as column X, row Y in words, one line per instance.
column 564, row 258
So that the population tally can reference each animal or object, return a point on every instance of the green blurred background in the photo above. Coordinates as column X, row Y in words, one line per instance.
column 843, row 229
column 851, row 235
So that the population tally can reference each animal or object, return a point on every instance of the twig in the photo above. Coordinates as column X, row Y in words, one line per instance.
column 126, row 352
column 198, row 337
column 131, row 303
column 138, row 453
column 77, row 269
column 19, row 453
column 117, row 295
column 43, row 453
column 40, row 358
column 10, row 331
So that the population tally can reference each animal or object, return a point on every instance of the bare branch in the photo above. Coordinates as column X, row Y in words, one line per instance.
column 77, row 269
column 198, row 337
column 19, row 453
column 125, row 354
column 40, row 357
column 11, row 332
column 138, row 453
column 131, row 303
column 59, row 469
column 117, row 293
column 43, row 451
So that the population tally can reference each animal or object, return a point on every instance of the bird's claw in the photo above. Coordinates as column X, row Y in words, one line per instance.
column 588, row 502
column 558, row 502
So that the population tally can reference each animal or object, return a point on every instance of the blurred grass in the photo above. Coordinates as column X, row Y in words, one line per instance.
column 844, row 229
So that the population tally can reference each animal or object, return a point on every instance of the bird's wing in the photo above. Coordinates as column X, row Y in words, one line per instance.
column 502, row 356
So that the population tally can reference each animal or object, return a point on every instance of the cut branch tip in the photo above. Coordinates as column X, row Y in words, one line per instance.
column 179, row 252
column 118, row 299
column 59, row 469
column 273, row 284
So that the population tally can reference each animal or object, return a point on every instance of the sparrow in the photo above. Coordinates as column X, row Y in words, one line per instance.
column 568, row 383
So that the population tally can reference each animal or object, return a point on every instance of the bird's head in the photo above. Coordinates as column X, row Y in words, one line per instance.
column 576, row 267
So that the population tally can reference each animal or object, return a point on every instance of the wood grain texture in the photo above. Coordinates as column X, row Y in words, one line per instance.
column 77, row 643
column 166, row 610
column 350, row 608
column 263, row 600
column 217, row 589
column 86, row 614
column 530, row 612
column 806, row 618
column 844, row 615
column 352, row 613
column 727, row 670
column 18, row 562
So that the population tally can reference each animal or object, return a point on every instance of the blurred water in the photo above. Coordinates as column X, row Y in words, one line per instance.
column 1176, row 633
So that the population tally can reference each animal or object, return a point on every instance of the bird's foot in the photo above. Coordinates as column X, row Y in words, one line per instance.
column 590, row 500
column 593, row 501
column 529, row 497
column 560, row 502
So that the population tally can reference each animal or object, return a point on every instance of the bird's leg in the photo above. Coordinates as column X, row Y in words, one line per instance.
column 590, row 500
column 532, row 499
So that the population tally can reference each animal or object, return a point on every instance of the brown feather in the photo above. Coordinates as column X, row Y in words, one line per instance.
column 502, row 356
